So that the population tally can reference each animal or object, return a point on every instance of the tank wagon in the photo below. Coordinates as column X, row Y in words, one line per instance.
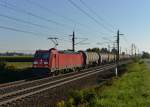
column 90, row 58
column 104, row 58
column 124, row 57
column 55, row 60
column 112, row 57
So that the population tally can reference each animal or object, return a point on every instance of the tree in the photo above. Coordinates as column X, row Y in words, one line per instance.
column 93, row 50
column 104, row 50
column 114, row 51
column 145, row 55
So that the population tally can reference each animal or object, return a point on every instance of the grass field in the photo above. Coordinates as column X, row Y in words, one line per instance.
column 16, row 56
column 19, row 65
column 131, row 90
column 17, row 62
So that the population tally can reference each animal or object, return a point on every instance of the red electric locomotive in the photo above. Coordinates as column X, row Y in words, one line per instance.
column 57, row 60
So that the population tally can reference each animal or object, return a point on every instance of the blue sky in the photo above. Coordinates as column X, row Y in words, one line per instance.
column 130, row 16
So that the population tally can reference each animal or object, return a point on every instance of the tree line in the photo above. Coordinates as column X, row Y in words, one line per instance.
column 102, row 50
column 146, row 55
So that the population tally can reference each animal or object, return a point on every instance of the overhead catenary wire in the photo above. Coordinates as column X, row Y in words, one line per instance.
column 54, row 13
column 94, row 13
column 10, row 6
column 81, row 41
column 20, row 30
column 32, row 2
column 91, row 17
column 24, row 21
column 20, row 10
column 27, row 32
column 30, row 32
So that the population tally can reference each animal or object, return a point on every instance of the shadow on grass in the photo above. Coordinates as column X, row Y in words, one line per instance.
column 10, row 73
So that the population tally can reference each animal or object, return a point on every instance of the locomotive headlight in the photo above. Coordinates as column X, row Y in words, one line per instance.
column 35, row 62
column 45, row 63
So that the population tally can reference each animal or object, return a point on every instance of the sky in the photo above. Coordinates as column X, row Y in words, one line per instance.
column 25, row 25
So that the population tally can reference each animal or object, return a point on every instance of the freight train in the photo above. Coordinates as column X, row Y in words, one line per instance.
column 55, row 60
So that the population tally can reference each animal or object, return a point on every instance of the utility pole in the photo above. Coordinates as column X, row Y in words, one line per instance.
column 76, row 43
column 118, row 45
column 73, row 41
column 135, row 50
column 132, row 48
column 118, row 51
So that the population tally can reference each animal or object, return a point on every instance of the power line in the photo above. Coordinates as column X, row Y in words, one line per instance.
column 22, row 31
column 23, row 21
column 64, row 17
column 28, row 22
column 49, row 10
column 28, row 32
column 125, row 39
column 98, row 16
column 91, row 17
column 13, row 7
column 24, row 11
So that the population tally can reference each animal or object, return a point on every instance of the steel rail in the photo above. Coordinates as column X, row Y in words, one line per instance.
column 62, row 81
column 52, row 82
column 25, row 83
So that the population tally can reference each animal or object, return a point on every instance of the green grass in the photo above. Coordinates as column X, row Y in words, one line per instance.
column 19, row 65
column 131, row 90
column 17, row 62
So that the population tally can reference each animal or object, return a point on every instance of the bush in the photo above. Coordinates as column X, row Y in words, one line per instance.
column 11, row 67
column 61, row 104
column 77, row 97
column 136, row 59
column 2, row 65
column 141, row 62
column 69, row 103
column 90, row 97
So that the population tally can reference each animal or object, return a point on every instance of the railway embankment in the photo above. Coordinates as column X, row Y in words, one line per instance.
column 40, row 94
column 132, row 89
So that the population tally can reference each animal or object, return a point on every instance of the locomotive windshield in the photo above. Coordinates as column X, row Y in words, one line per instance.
column 43, row 55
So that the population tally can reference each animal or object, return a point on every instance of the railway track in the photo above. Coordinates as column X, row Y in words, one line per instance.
column 18, row 85
column 21, row 90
